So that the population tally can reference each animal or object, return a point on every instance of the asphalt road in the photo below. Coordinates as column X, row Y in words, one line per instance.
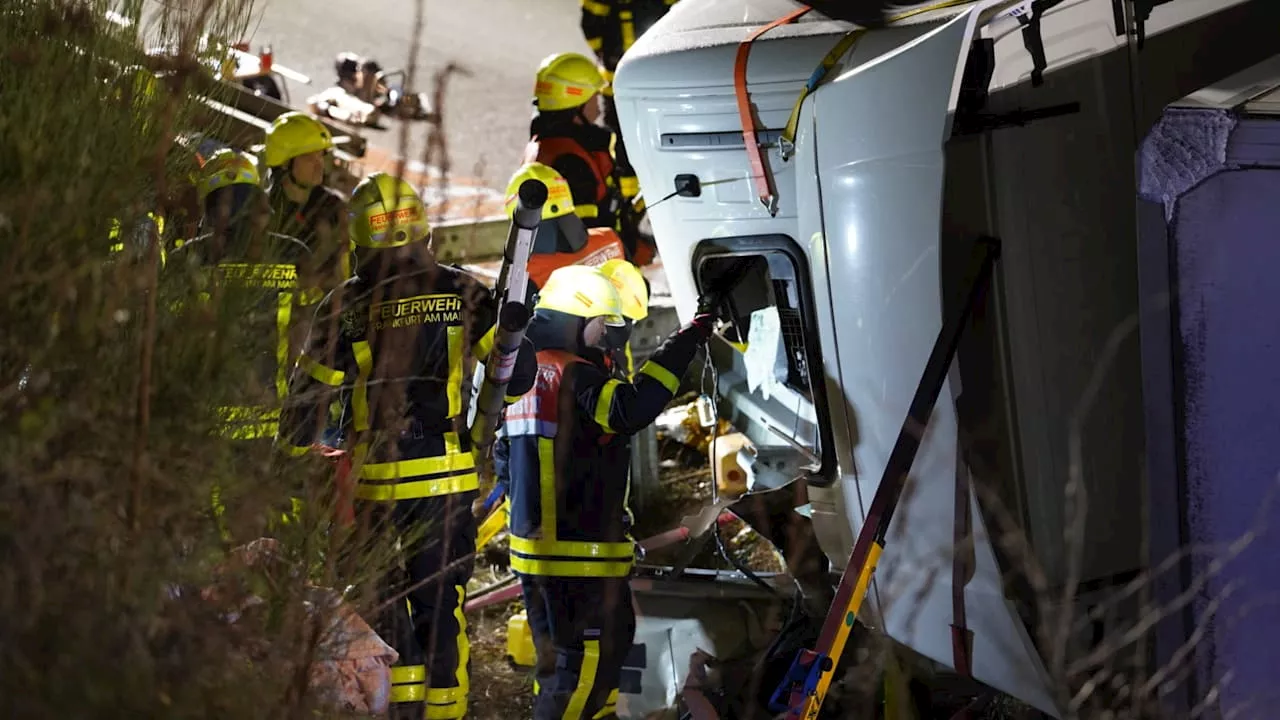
column 499, row 42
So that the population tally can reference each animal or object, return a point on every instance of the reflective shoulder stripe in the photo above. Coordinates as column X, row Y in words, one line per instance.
column 662, row 375
column 586, row 211
column 596, row 8
column 604, row 403
column 321, row 373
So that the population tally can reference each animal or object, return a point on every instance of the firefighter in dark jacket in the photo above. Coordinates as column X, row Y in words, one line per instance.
column 298, row 155
column 564, row 134
column 400, row 346
column 568, row 470
column 233, row 252
column 611, row 27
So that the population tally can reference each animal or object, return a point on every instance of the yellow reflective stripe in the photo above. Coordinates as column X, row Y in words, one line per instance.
column 253, row 431
column 586, row 679
column 820, row 72
column 408, row 673
column 595, row 43
column 610, row 707
column 630, row 185
column 360, row 394
column 493, row 524
column 631, row 363
column 628, row 30
column 419, row 488
column 595, row 8
column 449, row 703
column 247, row 423
column 569, row 568
column 408, row 693
column 284, row 311
column 664, row 376
column 484, row 345
column 453, row 389
column 509, row 399
column 604, row 403
column 395, row 470
column 573, row 548
column 321, row 373
column 586, row 211
column 547, row 486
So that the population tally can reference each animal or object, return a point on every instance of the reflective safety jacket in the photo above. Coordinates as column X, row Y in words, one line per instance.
column 583, row 154
column 280, row 299
column 568, row 461
column 399, row 352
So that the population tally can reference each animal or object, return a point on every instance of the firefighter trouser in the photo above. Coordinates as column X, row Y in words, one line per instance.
column 582, row 629
column 431, row 678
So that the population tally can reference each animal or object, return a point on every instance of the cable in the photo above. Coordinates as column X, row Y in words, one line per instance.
column 708, row 365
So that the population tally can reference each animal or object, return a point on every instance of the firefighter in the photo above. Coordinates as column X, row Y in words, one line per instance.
column 568, row 468
column 562, row 239
column 298, row 155
column 611, row 27
column 233, row 248
column 565, row 135
column 399, row 340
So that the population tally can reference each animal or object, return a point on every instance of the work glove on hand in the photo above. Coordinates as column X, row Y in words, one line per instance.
column 703, row 324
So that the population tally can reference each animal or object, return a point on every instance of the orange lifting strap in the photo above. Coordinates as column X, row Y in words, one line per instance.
column 763, row 181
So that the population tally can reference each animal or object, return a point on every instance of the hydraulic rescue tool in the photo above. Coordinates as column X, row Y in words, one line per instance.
column 513, row 312
column 805, row 686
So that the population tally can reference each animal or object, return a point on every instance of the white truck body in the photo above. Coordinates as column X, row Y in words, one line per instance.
column 876, row 210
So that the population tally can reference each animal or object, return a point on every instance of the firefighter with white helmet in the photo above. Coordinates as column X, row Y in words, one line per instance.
column 401, row 327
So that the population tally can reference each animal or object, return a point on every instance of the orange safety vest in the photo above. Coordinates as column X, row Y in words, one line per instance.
column 547, row 150
column 603, row 244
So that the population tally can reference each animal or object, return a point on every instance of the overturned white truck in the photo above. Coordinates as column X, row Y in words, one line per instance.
column 842, row 248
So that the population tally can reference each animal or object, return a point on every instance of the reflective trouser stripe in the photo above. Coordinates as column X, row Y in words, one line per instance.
column 586, row 678
column 450, row 703
column 610, row 706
